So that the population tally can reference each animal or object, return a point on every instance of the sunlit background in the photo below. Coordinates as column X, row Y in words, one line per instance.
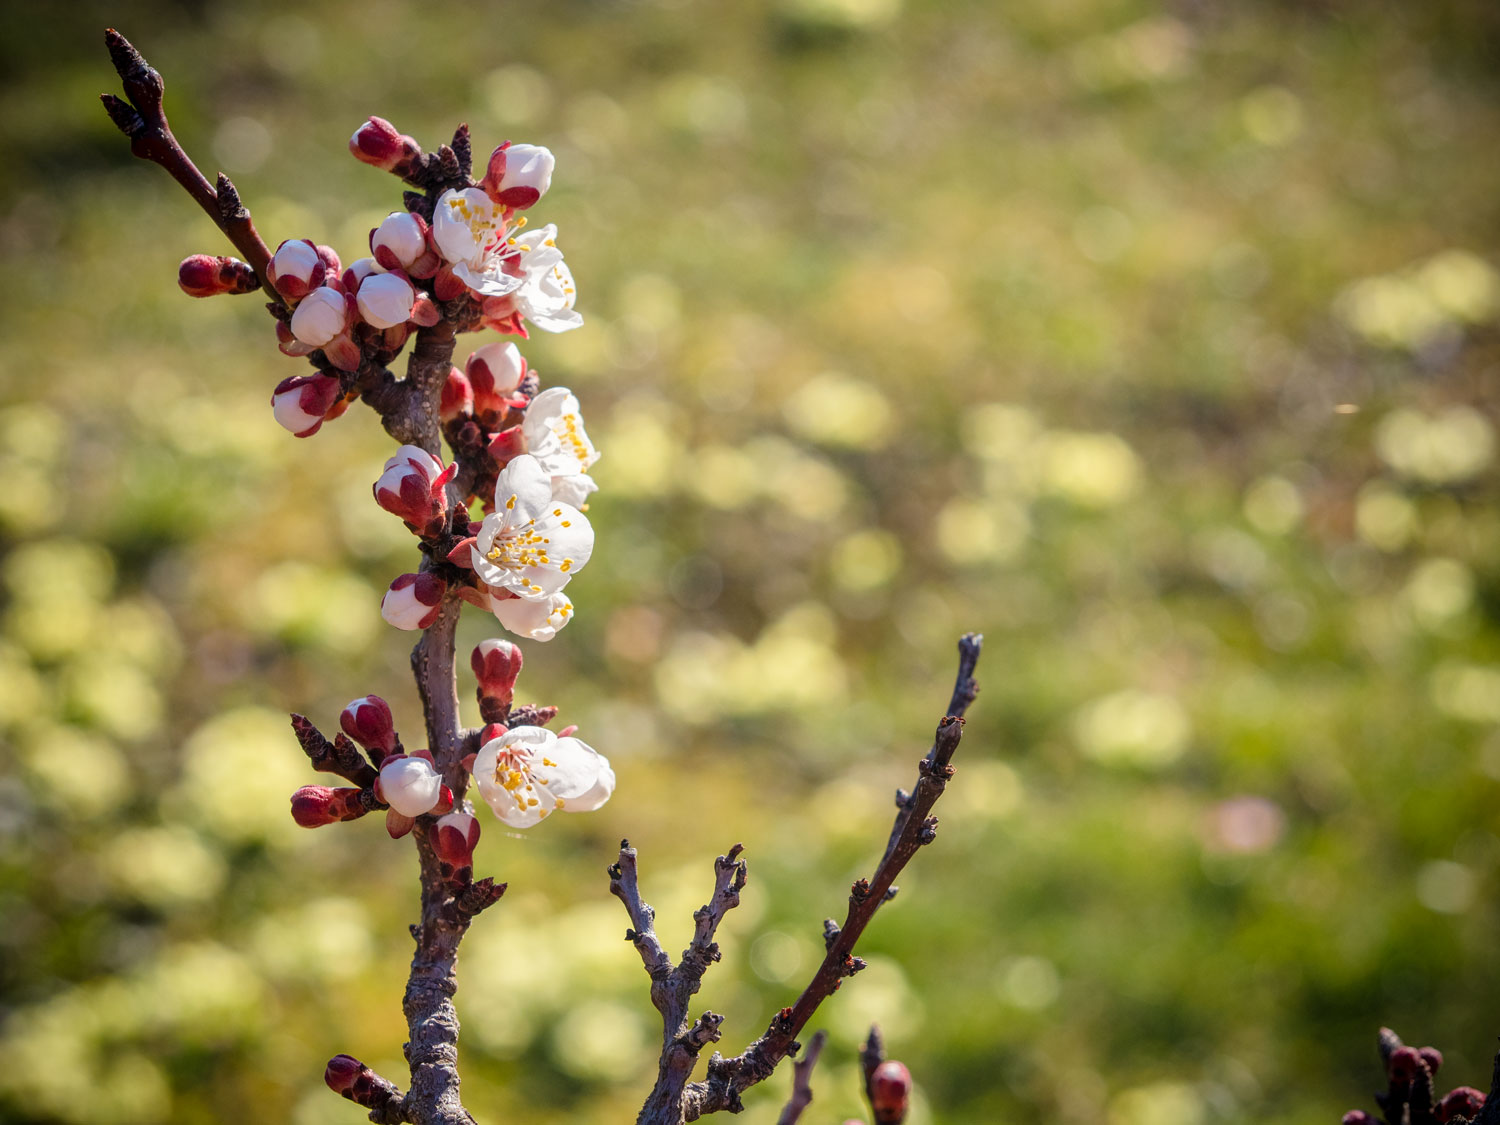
column 1157, row 342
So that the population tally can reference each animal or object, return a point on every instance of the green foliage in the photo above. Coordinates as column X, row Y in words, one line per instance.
column 1155, row 346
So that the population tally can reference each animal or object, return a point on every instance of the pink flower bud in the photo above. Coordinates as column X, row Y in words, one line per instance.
column 377, row 142
column 302, row 402
column 458, row 396
column 1462, row 1102
column 357, row 271
column 204, row 275
column 385, row 300
column 368, row 721
column 494, row 371
column 496, row 664
column 454, row 838
column 507, row 445
column 518, row 175
column 409, row 785
column 1403, row 1063
column 890, row 1092
column 342, row 1073
column 316, row 805
column 399, row 241
column 321, row 315
column 412, row 601
column 296, row 269
column 413, row 486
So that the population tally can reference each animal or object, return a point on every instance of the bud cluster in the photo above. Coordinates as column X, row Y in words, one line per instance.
column 1410, row 1094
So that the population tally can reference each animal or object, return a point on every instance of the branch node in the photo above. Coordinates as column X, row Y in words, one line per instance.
column 231, row 210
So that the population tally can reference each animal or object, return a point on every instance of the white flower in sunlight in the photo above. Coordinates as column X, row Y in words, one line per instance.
column 547, row 295
column 538, row 619
column 470, row 233
column 410, row 785
column 528, row 773
column 530, row 544
column 554, row 435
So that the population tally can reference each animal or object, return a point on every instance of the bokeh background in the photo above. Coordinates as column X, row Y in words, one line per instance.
column 1156, row 341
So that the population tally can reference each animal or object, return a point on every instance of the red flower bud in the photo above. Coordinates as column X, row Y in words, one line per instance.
column 368, row 721
column 496, row 664
column 1403, row 1063
column 204, row 275
column 378, row 143
column 454, row 838
column 342, row 1073
column 458, row 396
column 890, row 1092
column 316, row 805
column 1432, row 1057
column 1462, row 1102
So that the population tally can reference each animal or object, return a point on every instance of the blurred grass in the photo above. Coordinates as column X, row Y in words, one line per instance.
column 1156, row 342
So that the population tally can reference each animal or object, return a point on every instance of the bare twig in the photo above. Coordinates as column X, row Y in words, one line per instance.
column 144, row 121
column 802, row 1069
column 728, row 1078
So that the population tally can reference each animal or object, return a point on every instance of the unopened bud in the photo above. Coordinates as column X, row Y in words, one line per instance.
column 368, row 721
column 410, row 785
column 301, row 402
column 342, row 1073
column 890, row 1092
column 207, row 275
column 356, row 272
column 401, row 242
column 1403, row 1063
column 316, row 805
column 321, row 315
column 378, row 143
column 1462, row 1102
column 1358, row 1117
column 385, row 300
column 454, row 838
column 296, row 269
column 494, row 371
column 458, row 396
column 413, row 601
column 519, row 175
column 1432, row 1057
column 496, row 664
column 414, row 487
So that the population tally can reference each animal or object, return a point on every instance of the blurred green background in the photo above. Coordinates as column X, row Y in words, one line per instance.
column 1157, row 342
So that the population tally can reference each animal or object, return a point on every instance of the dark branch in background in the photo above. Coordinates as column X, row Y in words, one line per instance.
column 802, row 1069
column 673, row 1100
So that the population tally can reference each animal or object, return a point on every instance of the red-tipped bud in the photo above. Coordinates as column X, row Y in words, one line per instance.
column 494, row 371
column 413, row 600
column 302, row 402
column 1403, row 1063
column 518, row 175
column 496, row 664
column 1432, row 1057
column 378, row 143
column 386, row 299
column 1462, row 1102
column 414, row 487
column 454, row 838
column 458, row 396
column 204, row 275
column 401, row 242
column 342, row 1073
column 368, row 721
column 1358, row 1117
column 316, row 805
column 296, row 269
column 890, row 1092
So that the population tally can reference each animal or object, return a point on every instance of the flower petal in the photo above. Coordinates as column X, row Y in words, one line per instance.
column 523, row 490
column 603, row 787
column 568, row 768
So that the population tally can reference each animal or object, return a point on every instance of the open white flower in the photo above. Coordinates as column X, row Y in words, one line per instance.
column 537, row 619
column 554, row 435
column 470, row 233
column 530, row 544
column 528, row 773
column 547, row 296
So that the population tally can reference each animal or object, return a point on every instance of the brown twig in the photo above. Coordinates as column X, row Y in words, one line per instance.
column 673, row 986
column 728, row 1078
column 802, row 1069
column 143, row 120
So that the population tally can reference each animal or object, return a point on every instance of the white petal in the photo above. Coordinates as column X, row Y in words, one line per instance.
column 490, row 280
column 537, row 619
column 523, row 490
column 603, row 787
column 573, row 489
column 573, row 769
column 410, row 786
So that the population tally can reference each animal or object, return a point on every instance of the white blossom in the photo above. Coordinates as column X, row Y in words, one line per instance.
column 410, row 785
column 320, row 316
column 530, row 544
column 527, row 175
column 553, row 433
column 528, row 773
column 470, row 233
column 385, row 299
column 537, row 619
